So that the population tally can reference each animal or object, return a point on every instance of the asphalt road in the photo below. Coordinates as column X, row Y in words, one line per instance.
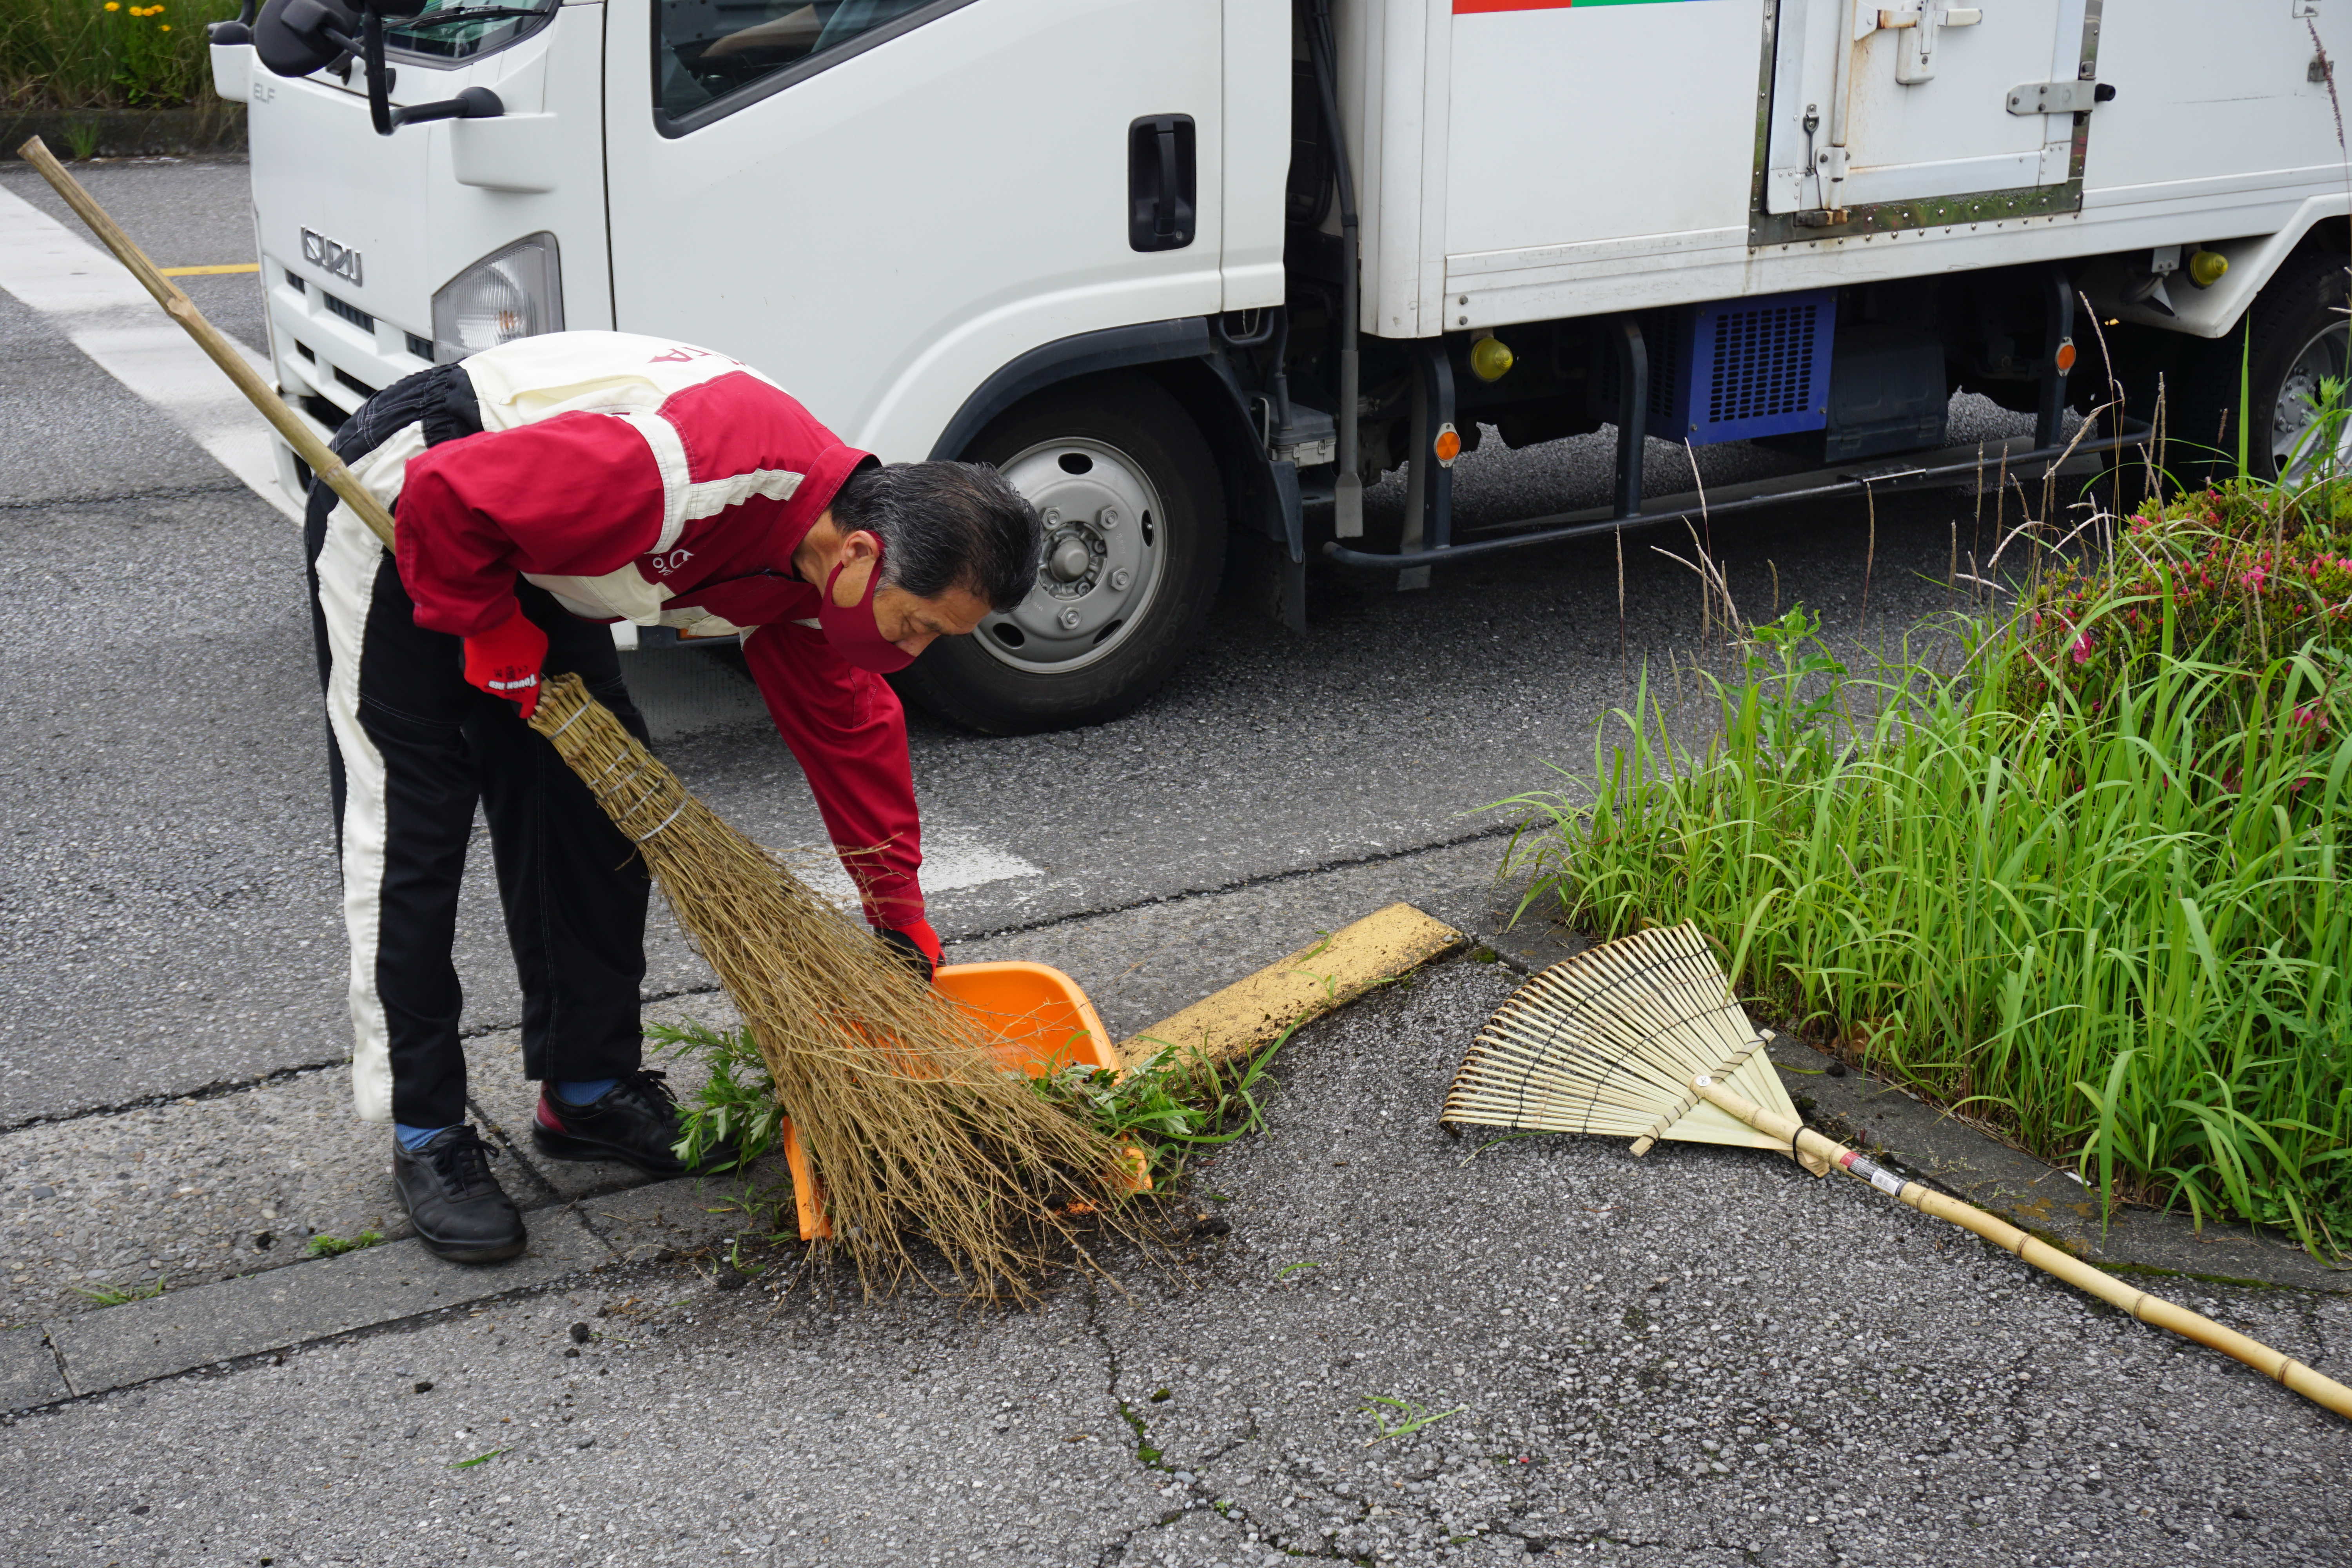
column 171, row 898
column 1699, row 1358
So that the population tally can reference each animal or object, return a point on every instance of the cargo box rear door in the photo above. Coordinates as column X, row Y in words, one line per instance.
column 1923, row 111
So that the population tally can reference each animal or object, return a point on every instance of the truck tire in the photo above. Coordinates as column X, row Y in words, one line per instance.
column 2298, row 336
column 1135, row 545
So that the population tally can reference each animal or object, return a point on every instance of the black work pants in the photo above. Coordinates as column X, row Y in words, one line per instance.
column 413, row 749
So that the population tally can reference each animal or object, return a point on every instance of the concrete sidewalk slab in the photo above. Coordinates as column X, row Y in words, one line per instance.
column 28, row 1370
column 691, row 1213
column 187, row 1328
column 206, row 1189
column 187, row 1192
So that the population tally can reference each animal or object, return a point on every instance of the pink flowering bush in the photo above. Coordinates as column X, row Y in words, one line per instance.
column 2239, row 577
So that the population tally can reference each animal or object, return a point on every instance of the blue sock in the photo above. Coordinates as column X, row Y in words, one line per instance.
column 414, row 1138
column 582, row 1092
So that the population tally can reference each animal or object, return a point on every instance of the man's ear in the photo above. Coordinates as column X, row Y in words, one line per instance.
column 861, row 545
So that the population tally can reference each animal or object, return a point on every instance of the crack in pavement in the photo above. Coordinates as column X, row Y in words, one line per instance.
column 1199, row 1493
column 166, row 492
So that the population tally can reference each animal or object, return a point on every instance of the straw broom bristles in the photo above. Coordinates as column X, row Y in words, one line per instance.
column 909, row 1124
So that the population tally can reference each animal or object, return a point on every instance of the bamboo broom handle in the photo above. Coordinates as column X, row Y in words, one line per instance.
column 217, row 348
column 2319, row 1389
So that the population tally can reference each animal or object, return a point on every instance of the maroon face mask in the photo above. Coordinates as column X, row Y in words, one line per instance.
column 853, row 632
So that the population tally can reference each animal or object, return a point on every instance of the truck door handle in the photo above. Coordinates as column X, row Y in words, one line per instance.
column 1162, row 166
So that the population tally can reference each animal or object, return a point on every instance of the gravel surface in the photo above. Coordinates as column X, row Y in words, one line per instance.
column 1700, row 1358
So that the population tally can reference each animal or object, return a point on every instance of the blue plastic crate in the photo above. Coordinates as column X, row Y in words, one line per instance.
column 1741, row 368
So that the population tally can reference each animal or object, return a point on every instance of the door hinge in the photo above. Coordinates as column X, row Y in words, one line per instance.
column 2059, row 97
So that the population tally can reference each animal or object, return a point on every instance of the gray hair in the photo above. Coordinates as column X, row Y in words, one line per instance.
column 946, row 525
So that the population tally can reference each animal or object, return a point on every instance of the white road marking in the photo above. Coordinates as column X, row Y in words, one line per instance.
column 952, row 859
column 104, row 313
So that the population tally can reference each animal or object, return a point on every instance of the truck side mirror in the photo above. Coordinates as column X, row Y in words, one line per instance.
column 295, row 37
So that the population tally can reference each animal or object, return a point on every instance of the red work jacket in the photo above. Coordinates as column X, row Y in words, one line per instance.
column 637, row 479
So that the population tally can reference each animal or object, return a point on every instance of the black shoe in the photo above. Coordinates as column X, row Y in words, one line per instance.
column 457, row 1207
column 636, row 1121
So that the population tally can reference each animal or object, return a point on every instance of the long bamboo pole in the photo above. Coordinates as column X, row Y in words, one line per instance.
column 217, row 348
column 2154, row 1310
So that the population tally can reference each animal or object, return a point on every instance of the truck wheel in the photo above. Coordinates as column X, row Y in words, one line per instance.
column 2299, row 336
column 1135, row 544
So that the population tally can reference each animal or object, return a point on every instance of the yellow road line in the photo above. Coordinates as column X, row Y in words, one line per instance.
column 1316, row 979
column 210, row 271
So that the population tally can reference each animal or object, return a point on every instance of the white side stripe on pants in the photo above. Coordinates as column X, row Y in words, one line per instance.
column 348, row 563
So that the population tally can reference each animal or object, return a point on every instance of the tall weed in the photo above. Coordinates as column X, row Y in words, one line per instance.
column 2110, row 921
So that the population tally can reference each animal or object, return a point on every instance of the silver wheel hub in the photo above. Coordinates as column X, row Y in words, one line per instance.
column 2295, row 438
column 1105, row 551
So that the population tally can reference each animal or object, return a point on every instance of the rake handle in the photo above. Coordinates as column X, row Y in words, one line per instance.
column 2283, row 1370
column 217, row 348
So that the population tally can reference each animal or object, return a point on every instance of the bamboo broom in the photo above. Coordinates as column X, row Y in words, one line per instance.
column 1643, row 1038
column 910, row 1127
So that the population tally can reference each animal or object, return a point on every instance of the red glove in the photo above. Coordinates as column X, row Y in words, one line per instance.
column 918, row 945
column 505, row 663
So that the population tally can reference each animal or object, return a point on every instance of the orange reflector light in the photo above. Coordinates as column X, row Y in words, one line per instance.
column 2065, row 355
column 1448, row 445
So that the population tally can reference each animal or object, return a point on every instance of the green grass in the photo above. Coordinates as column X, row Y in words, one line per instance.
column 336, row 1246
column 1410, row 1417
column 108, row 1296
column 1171, row 1103
column 735, row 1108
column 87, row 54
column 2096, row 903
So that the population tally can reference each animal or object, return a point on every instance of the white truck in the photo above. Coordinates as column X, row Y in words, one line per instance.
column 1195, row 271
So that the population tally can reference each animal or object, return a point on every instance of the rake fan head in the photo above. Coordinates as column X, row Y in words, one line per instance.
column 1608, row 1042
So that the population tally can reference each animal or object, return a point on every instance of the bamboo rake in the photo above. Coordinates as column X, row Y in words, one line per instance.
column 1643, row 1038
column 1787, row 1130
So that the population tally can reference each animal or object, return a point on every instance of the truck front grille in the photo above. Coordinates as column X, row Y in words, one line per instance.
column 348, row 311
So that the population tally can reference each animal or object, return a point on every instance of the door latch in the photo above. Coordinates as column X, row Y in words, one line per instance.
column 1914, row 55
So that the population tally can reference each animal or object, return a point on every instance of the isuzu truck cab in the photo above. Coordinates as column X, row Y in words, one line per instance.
column 1194, row 272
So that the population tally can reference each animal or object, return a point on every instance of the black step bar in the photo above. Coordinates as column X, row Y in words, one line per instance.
column 1994, row 458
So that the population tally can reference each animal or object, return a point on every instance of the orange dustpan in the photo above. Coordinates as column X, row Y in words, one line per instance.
column 1035, row 1018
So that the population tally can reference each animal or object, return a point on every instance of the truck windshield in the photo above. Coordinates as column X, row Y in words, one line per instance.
column 461, row 29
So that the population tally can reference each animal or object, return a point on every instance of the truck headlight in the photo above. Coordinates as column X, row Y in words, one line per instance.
column 517, row 292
